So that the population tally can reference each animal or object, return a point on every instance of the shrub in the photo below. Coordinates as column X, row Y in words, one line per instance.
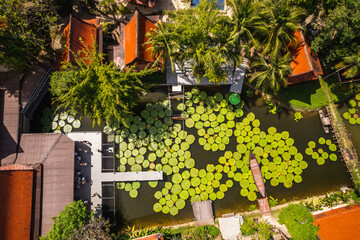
column 248, row 228
column 299, row 222
column 264, row 231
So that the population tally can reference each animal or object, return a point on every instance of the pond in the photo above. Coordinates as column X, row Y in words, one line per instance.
column 316, row 179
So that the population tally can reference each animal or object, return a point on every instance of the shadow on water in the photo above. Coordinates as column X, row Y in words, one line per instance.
column 316, row 179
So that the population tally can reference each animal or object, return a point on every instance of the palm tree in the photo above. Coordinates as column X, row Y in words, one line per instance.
column 161, row 44
column 272, row 73
column 246, row 21
column 283, row 20
column 352, row 65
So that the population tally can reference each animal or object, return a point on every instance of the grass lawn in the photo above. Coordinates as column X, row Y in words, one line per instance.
column 303, row 96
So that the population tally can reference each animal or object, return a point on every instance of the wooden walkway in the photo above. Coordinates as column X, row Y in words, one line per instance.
column 132, row 176
column 203, row 213
column 264, row 206
column 349, row 155
column 255, row 170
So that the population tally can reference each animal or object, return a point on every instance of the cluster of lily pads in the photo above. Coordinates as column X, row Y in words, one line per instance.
column 152, row 142
column 320, row 154
column 352, row 114
column 58, row 122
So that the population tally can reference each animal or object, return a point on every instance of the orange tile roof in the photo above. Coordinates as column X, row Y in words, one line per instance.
column 134, row 39
column 86, row 30
column 341, row 223
column 16, row 201
column 157, row 236
column 305, row 64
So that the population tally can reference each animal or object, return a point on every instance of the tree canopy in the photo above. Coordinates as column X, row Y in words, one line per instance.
column 197, row 36
column 209, row 41
column 97, row 89
column 25, row 28
column 339, row 33
column 299, row 222
column 73, row 217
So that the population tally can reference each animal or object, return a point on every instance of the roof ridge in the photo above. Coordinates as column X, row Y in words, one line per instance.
column 51, row 148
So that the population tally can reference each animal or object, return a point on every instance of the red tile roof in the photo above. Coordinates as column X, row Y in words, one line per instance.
column 157, row 236
column 341, row 223
column 16, row 201
column 134, row 39
column 305, row 64
column 78, row 34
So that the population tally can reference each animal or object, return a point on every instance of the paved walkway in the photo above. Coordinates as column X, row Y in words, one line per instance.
column 91, row 191
column 132, row 176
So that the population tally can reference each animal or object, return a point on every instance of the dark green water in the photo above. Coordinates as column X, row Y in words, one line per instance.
column 316, row 179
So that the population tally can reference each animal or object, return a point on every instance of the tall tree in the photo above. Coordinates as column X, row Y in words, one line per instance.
column 161, row 44
column 73, row 217
column 246, row 22
column 195, row 36
column 352, row 65
column 299, row 222
column 282, row 20
column 97, row 89
column 25, row 28
column 272, row 73
column 339, row 33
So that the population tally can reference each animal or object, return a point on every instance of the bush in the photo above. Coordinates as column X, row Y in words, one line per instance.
column 264, row 231
column 299, row 222
column 248, row 228
column 73, row 217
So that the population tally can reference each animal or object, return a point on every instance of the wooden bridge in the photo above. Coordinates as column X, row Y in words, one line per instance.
column 346, row 147
column 203, row 213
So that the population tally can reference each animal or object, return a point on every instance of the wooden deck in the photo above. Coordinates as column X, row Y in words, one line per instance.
column 132, row 176
column 264, row 206
column 203, row 213
column 255, row 170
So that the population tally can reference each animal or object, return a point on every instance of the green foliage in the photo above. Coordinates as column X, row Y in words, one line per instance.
column 204, row 33
column 249, row 227
column 253, row 207
column 299, row 222
column 273, row 201
column 97, row 89
column 339, row 35
column 73, row 217
column 297, row 116
column 272, row 73
column 264, row 231
column 249, row 93
column 260, row 229
column 282, row 21
column 110, row 9
column 25, row 28
column 351, row 64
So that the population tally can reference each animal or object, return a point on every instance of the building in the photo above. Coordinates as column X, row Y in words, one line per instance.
column 78, row 35
column 52, row 183
column 305, row 64
column 131, row 49
column 339, row 223
column 20, row 202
